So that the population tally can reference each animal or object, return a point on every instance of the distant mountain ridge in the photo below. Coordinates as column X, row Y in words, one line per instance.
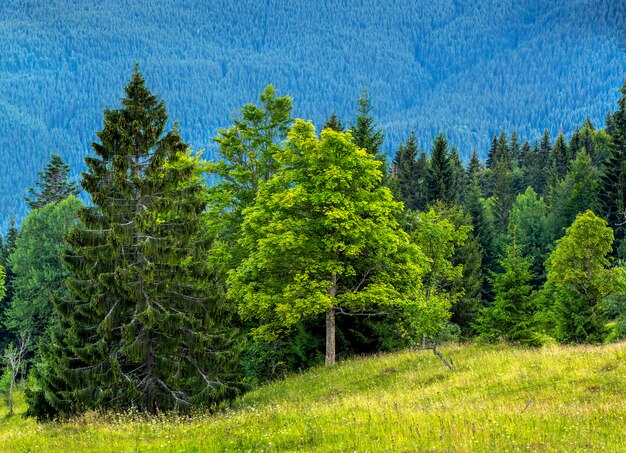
column 467, row 67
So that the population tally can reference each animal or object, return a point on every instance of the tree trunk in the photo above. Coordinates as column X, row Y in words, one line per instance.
column 11, row 396
column 330, row 324
column 330, row 336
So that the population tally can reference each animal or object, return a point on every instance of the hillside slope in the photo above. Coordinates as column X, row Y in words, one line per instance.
column 465, row 67
column 497, row 399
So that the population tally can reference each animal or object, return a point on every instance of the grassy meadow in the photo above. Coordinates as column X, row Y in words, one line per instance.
column 497, row 399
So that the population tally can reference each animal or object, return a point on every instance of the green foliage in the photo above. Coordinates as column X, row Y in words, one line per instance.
column 580, row 279
column 530, row 221
column 575, row 194
column 438, row 238
column 145, row 326
column 321, row 234
column 39, row 273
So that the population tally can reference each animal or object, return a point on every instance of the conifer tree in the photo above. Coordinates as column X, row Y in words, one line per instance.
column 366, row 133
column 405, row 173
column 527, row 165
column 511, row 315
column 458, row 181
column 493, row 152
column 144, row 326
column 575, row 194
column 440, row 172
column 613, row 181
column 474, row 169
column 421, row 172
column 559, row 159
column 333, row 122
column 515, row 149
column 53, row 185
column 542, row 164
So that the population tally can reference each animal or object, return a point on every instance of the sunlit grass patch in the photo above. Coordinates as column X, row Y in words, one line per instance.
column 497, row 399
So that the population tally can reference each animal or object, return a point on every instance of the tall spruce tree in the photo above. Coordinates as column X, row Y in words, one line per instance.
column 53, row 185
column 143, row 327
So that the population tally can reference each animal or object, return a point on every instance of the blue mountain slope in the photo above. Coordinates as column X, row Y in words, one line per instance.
column 467, row 67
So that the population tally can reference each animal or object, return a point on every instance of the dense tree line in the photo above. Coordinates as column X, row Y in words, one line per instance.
column 167, row 293
column 464, row 67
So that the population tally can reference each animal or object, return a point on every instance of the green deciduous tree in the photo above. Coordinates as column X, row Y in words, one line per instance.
column 529, row 222
column 322, row 237
column 39, row 273
column 580, row 278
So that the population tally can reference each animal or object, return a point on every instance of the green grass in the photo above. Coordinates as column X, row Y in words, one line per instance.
column 497, row 399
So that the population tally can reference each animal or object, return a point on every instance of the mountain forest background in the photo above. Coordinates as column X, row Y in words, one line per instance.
column 467, row 68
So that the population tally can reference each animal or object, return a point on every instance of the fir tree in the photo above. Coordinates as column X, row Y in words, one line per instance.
column 515, row 149
column 365, row 132
column 404, row 173
column 440, row 172
column 613, row 181
column 558, row 159
column 458, row 181
column 542, row 164
column 333, row 122
column 493, row 151
column 54, row 184
column 511, row 315
column 575, row 194
column 144, row 326
column 474, row 169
